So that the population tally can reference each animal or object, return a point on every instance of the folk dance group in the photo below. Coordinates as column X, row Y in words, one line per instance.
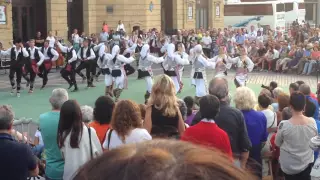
column 112, row 65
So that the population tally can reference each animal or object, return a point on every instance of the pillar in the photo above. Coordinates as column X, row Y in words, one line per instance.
column 57, row 17
column 6, row 33
column 90, row 24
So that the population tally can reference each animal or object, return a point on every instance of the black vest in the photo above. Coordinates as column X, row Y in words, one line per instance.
column 36, row 54
column 50, row 55
column 138, row 49
column 69, row 54
column 87, row 54
column 16, row 62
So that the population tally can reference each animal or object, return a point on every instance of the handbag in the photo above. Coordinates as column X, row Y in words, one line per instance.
column 109, row 137
column 91, row 153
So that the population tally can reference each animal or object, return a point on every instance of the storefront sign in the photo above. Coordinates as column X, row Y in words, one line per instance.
column 3, row 18
column 190, row 11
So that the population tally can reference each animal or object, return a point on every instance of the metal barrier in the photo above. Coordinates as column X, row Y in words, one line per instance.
column 26, row 127
column 4, row 63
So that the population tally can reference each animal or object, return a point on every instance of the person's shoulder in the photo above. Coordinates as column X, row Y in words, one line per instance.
column 284, row 124
column 141, row 132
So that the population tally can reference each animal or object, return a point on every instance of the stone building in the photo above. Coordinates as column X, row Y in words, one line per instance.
column 23, row 18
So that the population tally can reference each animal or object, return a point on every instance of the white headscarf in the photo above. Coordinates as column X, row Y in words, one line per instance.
column 130, row 49
column 144, row 51
column 197, row 49
column 115, row 51
column 170, row 50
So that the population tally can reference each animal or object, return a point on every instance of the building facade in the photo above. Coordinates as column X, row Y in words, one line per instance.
column 23, row 18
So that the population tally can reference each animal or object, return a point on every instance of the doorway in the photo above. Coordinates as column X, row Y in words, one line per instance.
column 166, row 15
column 202, row 14
column 28, row 17
column 75, row 16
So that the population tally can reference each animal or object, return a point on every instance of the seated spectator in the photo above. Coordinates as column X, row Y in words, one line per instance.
column 206, row 132
column 78, row 143
column 87, row 114
column 287, row 60
column 296, row 157
column 38, row 144
column 275, row 104
column 161, row 159
column 190, row 109
column 315, row 55
column 305, row 90
column 306, row 57
column 126, row 126
column 48, row 123
column 244, row 99
column 284, row 55
column 17, row 160
column 102, row 114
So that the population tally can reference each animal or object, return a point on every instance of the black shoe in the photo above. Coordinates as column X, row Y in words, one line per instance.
column 75, row 90
column 70, row 86
column 28, row 84
column 43, row 86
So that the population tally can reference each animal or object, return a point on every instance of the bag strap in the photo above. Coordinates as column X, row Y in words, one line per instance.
column 91, row 153
column 274, row 120
column 109, row 137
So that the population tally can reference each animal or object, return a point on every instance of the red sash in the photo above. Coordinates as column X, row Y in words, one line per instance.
column 34, row 66
column 47, row 64
column 68, row 67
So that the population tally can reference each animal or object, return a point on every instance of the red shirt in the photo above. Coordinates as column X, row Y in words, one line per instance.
column 210, row 135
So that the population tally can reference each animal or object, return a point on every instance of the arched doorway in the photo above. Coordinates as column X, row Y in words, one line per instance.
column 202, row 13
column 166, row 15
column 75, row 16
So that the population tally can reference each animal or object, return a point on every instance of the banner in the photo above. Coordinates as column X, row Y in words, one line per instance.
column 3, row 18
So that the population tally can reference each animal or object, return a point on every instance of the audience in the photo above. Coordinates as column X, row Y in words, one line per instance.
column 305, row 90
column 87, row 114
column 275, row 104
column 190, row 109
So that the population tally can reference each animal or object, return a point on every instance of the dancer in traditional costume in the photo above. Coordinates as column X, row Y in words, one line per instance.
column 127, row 52
column 200, row 63
column 35, row 60
column 145, row 70
column 69, row 71
column 49, row 55
column 244, row 65
column 171, row 63
column 86, row 55
column 118, row 73
column 222, row 62
column 180, row 68
column 105, row 64
column 17, row 55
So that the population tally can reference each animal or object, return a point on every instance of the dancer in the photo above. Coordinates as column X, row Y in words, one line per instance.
column 68, row 72
column 17, row 55
column 222, row 62
column 105, row 65
column 35, row 60
column 199, row 77
column 244, row 65
column 49, row 55
column 180, row 68
column 127, row 52
column 86, row 55
column 171, row 63
column 118, row 73
column 145, row 70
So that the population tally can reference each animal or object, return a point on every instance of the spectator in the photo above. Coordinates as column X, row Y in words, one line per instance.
column 17, row 160
column 276, row 92
column 293, row 87
column 87, row 114
column 230, row 120
column 284, row 101
column 48, row 123
column 126, row 126
column 183, row 109
column 162, row 159
column 120, row 26
column 78, row 143
column 38, row 144
column 102, row 114
column 206, row 132
column 105, row 27
column 296, row 157
column 163, row 109
column 266, row 92
column 256, row 122
column 142, row 108
column 190, row 109
column 305, row 90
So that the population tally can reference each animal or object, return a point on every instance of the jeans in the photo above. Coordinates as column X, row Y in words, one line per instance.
column 308, row 66
column 37, row 150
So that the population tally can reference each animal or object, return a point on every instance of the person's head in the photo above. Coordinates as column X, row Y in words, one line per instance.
column 163, row 95
column 309, row 109
column 283, row 101
column 276, row 93
column 18, row 42
column 219, row 88
column 161, row 159
column 209, row 107
column 273, row 85
column 264, row 101
column 58, row 97
column 297, row 101
column 181, row 47
column 143, row 110
column 87, row 114
column 190, row 104
column 126, row 116
column 6, row 118
column 182, row 108
column 305, row 89
column 38, row 34
column 300, row 83
column 70, row 122
column 103, row 108
column 120, row 22
column 244, row 98
column 46, row 43
column 86, row 42
column 75, row 31
column 31, row 43
column 293, row 87
column 50, row 33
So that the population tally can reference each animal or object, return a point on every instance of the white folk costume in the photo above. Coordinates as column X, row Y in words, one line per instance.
column 180, row 68
column 222, row 65
column 49, row 55
column 105, row 64
column 192, row 57
column 244, row 65
column 118, row 73
column 199, row 66
column 171, row 63
column 35, row 60
column 145, row 70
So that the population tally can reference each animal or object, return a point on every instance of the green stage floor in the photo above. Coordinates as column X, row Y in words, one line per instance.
column 32, row 105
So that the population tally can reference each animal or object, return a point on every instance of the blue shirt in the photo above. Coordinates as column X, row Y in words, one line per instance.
column 256, row 125
column 240, row 39
column 315, row 102
column 49, row 130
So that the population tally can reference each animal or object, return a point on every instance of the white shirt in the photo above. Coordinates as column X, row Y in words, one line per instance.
column 92, row 54
column 52, row 40
column 74, row 158
column 206, row 40
column 76, row 38
column 271, row 118
column 135, row 136
column 8, row 52
column 41, row 56
column 121, row 26
column 38, row 135
column 53, row 52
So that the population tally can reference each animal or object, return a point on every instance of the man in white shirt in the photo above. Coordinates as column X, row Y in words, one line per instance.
column 271, row 56
column 120, row 26
column 206, row 44
column 252, row 34
column 86, row 55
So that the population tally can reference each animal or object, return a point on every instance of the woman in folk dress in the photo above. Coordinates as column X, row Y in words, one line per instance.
column 180, row 68
column 222, row 62
column 105, row 65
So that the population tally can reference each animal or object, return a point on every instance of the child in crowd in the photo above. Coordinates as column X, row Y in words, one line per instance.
column 191, row 112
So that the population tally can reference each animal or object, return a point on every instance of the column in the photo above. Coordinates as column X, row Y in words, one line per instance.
column 6, row 29
column 57, row 17
column 90, row 24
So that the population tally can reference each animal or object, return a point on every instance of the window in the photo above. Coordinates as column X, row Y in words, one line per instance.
column 280, row 7
column 289, row 7
column 301, row 6
column 248, row 10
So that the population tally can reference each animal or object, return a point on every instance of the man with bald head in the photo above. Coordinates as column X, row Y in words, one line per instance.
column 230, row 120
column 305, row 89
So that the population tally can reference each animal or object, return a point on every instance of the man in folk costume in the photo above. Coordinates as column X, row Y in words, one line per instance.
column 17, row 60
column 105, row 64
column 244, row 65
column 127, row 52
column 171, row 63
column 138, row 49
column 180, row 68
column 118, row 73
column 144, row 70
column 200, row 63
column 86, row 56
column 101, row 49
column 49, row 55
column 35, row 60
column 222, row 62
column 69, row 71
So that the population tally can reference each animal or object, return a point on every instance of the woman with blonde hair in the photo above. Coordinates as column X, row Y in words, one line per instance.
column 126, row 126
column 162, row 113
